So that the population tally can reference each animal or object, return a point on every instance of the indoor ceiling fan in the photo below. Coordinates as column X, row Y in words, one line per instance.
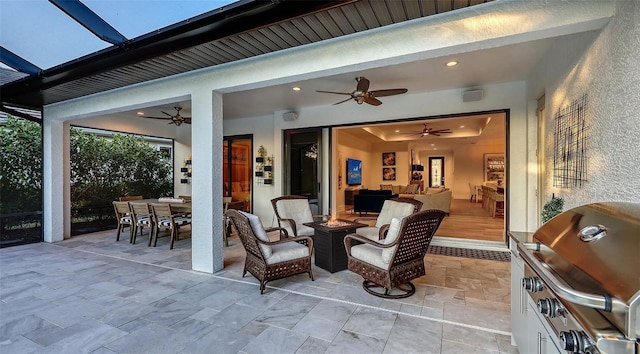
column 361, row 95
column 176, row 119
column 430, row 131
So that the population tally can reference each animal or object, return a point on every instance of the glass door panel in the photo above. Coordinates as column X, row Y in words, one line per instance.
column 237, row 169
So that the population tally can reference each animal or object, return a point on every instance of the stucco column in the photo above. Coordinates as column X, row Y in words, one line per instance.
column 207, row 228
column 55, row 180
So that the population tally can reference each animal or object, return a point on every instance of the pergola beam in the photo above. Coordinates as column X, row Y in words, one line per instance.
column 91, row 21
column 17, row 62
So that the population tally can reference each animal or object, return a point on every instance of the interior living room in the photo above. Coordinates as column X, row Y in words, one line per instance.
column 449, row 153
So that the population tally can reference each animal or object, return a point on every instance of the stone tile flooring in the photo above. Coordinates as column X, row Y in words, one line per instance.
column 91, row 294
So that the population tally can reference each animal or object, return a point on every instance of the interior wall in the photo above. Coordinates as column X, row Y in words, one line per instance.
column 402, row 165
column 606, row 71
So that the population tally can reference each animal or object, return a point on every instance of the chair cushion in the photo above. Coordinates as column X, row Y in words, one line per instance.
column 392, row 235
column 303, row 230
column 144, row 221
column 369, row 254
column 369, row 232
column 125, row 220
column 392, row 209
column 287, row 251
column 387, row 187
column 298, row 210
column 258, row 230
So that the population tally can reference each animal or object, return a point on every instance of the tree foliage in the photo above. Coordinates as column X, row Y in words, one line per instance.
column 20, row 166
column 104, row 169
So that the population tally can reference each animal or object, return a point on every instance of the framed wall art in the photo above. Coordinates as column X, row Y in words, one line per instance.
column 388, row 159
column 389, row 174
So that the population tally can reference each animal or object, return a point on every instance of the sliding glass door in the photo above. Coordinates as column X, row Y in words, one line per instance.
column 238, row 168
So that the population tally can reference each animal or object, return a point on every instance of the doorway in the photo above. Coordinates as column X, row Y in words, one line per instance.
column 436, row 171
column 302, row 168
column 237, row 169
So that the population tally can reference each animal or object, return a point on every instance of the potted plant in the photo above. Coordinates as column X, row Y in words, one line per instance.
column 552, row 208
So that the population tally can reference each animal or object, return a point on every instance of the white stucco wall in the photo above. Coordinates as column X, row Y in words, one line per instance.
column 606, row 70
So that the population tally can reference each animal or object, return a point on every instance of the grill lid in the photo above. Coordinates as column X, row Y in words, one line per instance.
column 602, row 242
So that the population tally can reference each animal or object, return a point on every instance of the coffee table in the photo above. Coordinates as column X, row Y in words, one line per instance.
column 328, row 243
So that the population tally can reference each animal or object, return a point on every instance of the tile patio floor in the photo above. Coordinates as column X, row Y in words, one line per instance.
column 91, row 294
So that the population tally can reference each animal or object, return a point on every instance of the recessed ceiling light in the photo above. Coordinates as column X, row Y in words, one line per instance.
column 452, row 63
column 140, row 113
column 296, row 88
column 433, row 144
column 397, row 130
column 462, row 126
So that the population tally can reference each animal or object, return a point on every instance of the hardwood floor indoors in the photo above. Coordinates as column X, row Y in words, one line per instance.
column 467, row 220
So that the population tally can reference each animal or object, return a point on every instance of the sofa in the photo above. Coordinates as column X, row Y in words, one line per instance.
column 371, row 201
column 436, row 200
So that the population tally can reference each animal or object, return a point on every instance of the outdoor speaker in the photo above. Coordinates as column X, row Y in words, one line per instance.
column 289, row 116
column 472, row 95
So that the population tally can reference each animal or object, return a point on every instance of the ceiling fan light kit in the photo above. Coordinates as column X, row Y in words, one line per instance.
column 362, row 94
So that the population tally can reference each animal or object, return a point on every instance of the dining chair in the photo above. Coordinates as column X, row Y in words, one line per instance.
column 227, row 223
column 124, row 218
column 127, row 198
column 164, row 218
column 142, row 218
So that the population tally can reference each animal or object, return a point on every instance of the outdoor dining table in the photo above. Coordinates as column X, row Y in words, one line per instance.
column 175, row 206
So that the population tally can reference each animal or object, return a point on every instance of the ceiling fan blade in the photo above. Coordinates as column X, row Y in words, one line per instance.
column 164, row 118
column 363, row 84
column 434, row 134
column 442, row 131
column 337, row 93
column 170, row 115
column 187, row 120
column 348, row 99
column 389, row 92
column 372, row 101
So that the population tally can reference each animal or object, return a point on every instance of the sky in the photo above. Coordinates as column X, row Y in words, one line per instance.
column 39, row 32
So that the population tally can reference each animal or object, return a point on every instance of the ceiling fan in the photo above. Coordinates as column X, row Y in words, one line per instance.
column 176, row 119
column 361, row 95
column 430, row 131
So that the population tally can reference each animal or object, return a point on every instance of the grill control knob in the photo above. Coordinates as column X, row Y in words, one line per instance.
column 550, row 307
column 532, row 284
column 576, row 342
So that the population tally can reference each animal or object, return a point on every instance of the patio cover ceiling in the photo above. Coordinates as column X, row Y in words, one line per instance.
column 242, row 30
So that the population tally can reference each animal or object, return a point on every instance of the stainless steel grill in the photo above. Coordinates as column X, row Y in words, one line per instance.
column 583, row 272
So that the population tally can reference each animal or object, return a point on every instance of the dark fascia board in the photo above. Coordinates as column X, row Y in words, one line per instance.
column 233, row 19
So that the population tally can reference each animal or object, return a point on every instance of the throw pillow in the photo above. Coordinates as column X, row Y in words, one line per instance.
column 386, row 187
column 412, row 188
column 392, row 235
column 258, row 231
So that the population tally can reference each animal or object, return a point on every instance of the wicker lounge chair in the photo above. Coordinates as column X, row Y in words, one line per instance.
column 270, row 260
column 292, row 211
column 389, row 266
